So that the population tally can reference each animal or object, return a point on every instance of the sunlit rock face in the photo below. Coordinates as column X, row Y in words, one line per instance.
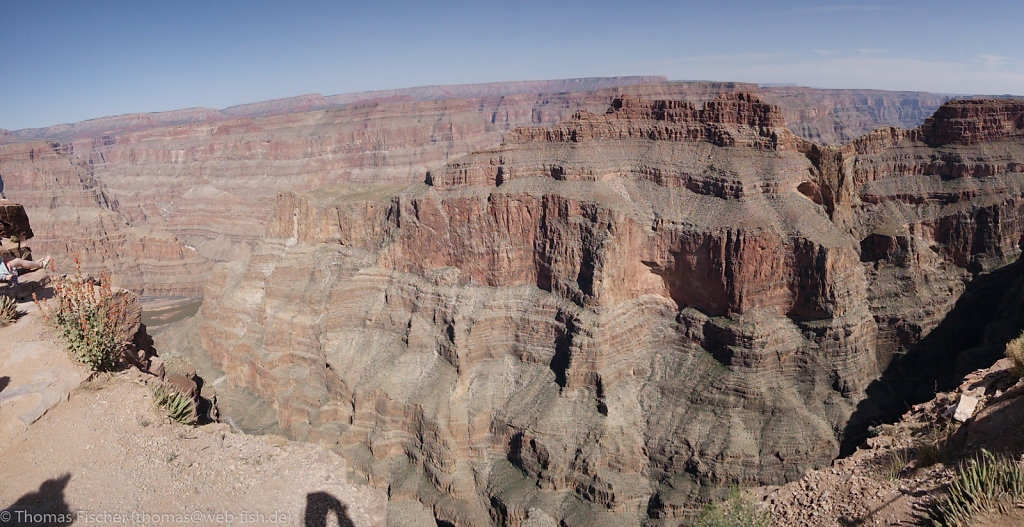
column 158, row 198
column 611, row 318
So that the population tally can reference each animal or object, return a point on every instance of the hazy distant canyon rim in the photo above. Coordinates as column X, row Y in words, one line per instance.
column 595, row 301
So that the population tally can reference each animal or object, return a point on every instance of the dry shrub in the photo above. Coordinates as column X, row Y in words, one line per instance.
column 1015, row 351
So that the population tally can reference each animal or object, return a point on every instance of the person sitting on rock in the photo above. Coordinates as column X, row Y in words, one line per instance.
column 9, row 269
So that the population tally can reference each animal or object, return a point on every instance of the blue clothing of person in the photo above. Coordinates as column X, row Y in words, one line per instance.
column 7, row 273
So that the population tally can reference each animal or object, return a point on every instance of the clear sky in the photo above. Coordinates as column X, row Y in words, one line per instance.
column 66, row 61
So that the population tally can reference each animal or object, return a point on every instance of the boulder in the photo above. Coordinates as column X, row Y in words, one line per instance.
column 965, row 407
column 14, row 221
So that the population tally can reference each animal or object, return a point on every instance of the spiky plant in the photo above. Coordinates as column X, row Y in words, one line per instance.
column 983, row 484
column 177, row 405
column 9, row 311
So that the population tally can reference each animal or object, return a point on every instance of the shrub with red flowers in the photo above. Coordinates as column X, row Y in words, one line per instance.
column 90, row 317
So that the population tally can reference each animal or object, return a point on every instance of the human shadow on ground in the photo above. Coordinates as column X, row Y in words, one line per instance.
column 972, row 335
column 320, row 505
column 45, row 506
column 4, row 381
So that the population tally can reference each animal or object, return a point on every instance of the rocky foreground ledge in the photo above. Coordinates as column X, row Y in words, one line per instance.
column 84, row 448
column 898, row 476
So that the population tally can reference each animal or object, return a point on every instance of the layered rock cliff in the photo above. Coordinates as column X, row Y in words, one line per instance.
column 197, row 191
column 75, row 216
column 608, row 320
column 158, row 206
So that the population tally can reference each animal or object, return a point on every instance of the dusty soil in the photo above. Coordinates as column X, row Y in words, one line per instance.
column 101, row 452
column 33, row 377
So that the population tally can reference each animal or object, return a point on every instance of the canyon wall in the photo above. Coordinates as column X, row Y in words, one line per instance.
column 840, row 116
column 159, row 204
column 76, row 216
column 608, row 320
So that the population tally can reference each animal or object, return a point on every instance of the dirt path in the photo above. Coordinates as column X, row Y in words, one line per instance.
column 33, row 376
column 102, row 453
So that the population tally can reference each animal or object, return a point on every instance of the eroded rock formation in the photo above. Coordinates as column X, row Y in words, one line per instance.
column 615, row 317
column 157, row 198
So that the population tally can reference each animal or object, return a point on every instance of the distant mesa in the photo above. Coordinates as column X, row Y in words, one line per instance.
column 313, row 101
column 973, row 121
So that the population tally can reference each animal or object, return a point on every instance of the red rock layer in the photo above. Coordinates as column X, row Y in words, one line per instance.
column 976, row 121
column 666, row 120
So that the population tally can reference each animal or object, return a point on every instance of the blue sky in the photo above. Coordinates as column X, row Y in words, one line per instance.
column 67, row 61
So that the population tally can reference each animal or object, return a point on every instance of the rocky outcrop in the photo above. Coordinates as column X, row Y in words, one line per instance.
column 969, row 122
column 902, row 472
column 665, row 120
column 14, row 221
column 608, row 319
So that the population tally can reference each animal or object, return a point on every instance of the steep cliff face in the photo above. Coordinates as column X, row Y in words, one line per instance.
column 607, row 319
column 75, row 216
column 157, row 207
column 201, row 187
column 938, row 213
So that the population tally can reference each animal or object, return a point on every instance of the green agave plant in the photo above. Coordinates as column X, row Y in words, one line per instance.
column 177, row 405
column 8, row 310
column 983, row 484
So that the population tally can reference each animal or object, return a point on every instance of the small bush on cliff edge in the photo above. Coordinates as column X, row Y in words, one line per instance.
column 90, row 317
column 736, row 510
column 1015, row 351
